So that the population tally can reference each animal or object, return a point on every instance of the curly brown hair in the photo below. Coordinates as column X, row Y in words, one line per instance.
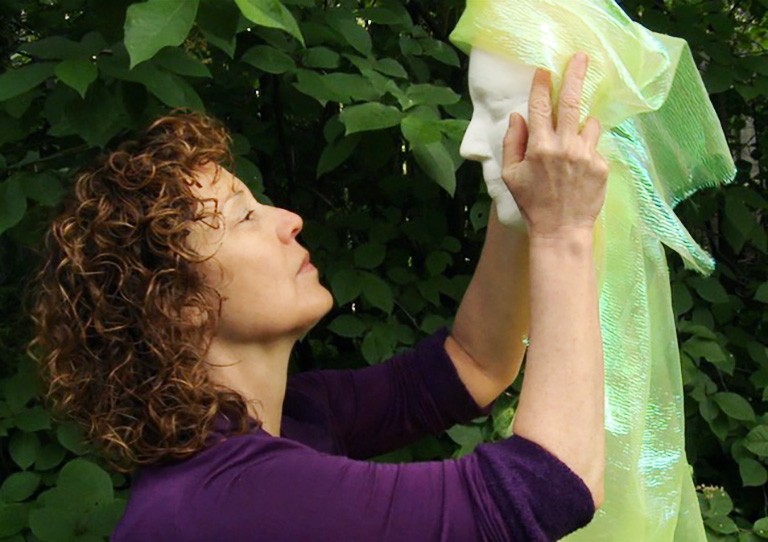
column 113, row 339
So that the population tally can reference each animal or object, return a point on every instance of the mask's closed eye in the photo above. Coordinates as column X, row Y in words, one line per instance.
column 247, row 216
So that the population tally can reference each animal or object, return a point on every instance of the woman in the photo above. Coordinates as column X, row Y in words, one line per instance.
column 171, row 300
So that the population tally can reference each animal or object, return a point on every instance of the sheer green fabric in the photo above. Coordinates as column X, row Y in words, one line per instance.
column 663, row 142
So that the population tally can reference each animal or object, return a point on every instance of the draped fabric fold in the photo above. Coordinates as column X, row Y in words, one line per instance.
column 663, row 141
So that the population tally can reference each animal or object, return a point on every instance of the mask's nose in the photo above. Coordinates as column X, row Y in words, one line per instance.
column 475, row 144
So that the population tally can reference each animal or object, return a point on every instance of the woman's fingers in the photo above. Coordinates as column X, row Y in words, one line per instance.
column 515, row 141
column 540, row 105
column 591, row 132
column 569, row 108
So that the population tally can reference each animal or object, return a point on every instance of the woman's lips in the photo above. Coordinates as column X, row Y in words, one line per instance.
column 306, row 265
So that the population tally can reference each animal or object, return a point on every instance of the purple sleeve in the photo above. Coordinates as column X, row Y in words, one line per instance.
column 259, row 487
column 539, row 496
column 380, row 408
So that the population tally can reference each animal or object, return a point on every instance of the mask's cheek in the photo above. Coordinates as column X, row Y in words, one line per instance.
column 500, row 130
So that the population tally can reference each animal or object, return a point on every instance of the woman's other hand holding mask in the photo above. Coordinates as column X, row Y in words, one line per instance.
column 551, row 166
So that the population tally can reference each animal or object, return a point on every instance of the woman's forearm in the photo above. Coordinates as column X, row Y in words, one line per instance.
column 492, row 320
column 562, row 400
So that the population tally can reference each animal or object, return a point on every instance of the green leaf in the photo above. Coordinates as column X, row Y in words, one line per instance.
column 393, row 14
column 429, row 290
column 370, row 116
column 336, row 153
column 479, row 213
column 19, row 486
column 178, row 61
column 348, row 326
column 321, row 57
column 437, row 262
column 33, row 419
column 708, row 410
column 353, row 33
column 85, row 481
column 739, row 222
column 437, row 163
column 709, row 289
column 49, row 456
column 503, row 414
column 351, row 86
column 720, row 504
column 103, row 519
column 711, row 351
column 378, row 293
column 761, row 294
column 369, row 255
column 20, row 80
column 426, row 94
column 152, row 25
column 440, row 51
column 722, row 525
column 21, row 388
column 54, row 524
column 378, row 344
column 752, row 472
column 346, row 285
column 735, row 406
column 454, row 129
column 43, row 188
column 272, row 14
column 467, row 436
column 53, row 48
column 313, row 84
column 78, row 73
column 169, row 88
column 756, row 441
column 23, row 448
column 13, row 518
column 761, row 527
column 95, row 119
column 420, row 131
column 682, row 300
column 268, row 59
column 71, row 437
column 433, row 322
column 219, row 22
column 13, row 204
column 391, row 67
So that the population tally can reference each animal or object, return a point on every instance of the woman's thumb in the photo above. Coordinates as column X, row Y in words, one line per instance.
column 515, row 140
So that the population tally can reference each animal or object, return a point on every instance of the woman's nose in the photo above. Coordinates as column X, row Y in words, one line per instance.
column 475, row 145
column 289, row 226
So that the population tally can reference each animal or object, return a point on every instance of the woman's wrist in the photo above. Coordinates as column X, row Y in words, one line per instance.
column 570, row 241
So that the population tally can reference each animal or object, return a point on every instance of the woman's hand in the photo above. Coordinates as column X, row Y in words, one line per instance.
column 552, row 169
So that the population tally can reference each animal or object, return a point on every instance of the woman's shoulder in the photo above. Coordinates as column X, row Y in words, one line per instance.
column 166, row 497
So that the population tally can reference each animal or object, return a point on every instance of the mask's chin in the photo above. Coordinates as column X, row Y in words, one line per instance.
column 506, row 207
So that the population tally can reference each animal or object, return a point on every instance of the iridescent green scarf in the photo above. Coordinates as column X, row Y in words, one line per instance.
column 663, row 141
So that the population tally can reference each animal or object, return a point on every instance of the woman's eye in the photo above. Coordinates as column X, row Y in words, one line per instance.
column 247, row 216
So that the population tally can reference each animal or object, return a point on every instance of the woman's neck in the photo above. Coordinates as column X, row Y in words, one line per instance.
column 257, row 371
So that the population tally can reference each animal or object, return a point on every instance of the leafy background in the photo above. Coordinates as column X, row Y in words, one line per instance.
column 351, row 113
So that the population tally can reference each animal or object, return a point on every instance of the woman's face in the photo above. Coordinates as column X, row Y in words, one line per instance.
column 258, row 266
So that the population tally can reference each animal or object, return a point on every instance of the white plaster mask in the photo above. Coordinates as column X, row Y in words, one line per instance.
column 497, row 87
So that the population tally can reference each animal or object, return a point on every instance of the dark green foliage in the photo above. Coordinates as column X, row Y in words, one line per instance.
column 351, row 113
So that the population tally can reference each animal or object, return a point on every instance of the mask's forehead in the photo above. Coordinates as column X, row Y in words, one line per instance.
column 492, row 77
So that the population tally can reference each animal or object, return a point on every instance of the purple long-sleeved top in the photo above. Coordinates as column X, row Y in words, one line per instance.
column 312, row 483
